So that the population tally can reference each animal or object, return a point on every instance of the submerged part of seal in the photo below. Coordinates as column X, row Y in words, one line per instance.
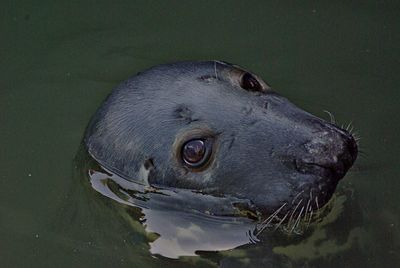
column 217, row 129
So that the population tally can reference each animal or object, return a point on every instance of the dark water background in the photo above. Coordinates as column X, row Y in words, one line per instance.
column 58, row 61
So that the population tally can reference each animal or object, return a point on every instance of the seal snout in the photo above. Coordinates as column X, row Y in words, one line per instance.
column 329, row 154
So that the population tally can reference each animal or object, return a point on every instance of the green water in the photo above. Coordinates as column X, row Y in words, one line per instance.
column 58, row 61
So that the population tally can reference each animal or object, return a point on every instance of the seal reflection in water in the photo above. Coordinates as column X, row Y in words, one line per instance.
column 222, row 140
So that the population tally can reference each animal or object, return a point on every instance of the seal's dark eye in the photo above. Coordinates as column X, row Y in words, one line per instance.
column 196, row 153
column 249, row 82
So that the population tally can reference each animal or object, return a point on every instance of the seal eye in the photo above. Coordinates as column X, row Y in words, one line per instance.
column 196, row 152
column 249, row 82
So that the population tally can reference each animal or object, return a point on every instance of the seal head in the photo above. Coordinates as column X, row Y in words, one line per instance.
column 215, row 128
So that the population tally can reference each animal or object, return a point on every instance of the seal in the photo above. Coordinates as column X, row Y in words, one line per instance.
column 217, row 129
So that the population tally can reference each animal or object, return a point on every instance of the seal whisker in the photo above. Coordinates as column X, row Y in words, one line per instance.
column 331, row 116
column 309, row 219
column 270, row 218
column 308, row 204
column 305, row 215
column 350, row 129
column 310, row 210
column 294, row 210
column 348, row 126
column 282, row 220
column 316, row 203
column 356, row 137
column 309, row 200
column 273, row 214
column 296, row 196
column 297, row 220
